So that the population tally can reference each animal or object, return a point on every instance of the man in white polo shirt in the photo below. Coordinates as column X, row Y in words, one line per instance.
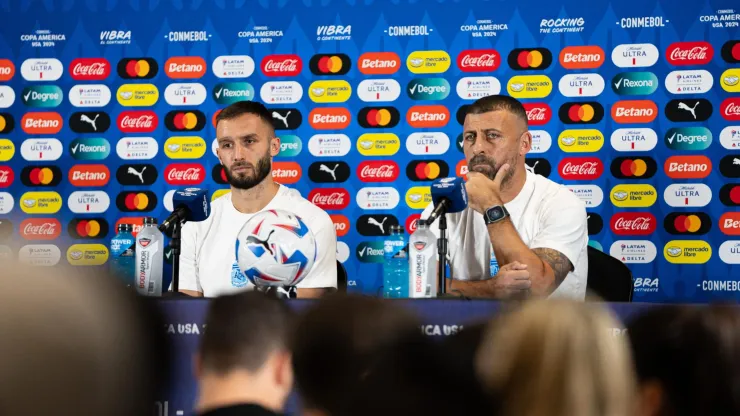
column 521, row 234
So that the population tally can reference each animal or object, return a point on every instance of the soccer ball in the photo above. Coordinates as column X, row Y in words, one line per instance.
column 275, row 248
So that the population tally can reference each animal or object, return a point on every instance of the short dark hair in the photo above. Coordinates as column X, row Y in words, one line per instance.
column 246, row 107
column 496, row 103
column 242, row 329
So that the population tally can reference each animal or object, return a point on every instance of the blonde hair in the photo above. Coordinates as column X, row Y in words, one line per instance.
column 557, row 358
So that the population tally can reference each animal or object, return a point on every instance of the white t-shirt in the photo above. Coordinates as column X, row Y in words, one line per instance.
column 544, row 213
column 208, row 248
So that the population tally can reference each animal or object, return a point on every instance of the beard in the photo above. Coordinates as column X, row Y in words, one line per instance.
column 487, row 166
column 245, row 180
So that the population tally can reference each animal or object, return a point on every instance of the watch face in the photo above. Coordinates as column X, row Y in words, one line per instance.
column 495, row 213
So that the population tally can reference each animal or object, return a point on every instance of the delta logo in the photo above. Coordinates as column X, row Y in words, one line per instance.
column 729, row 194
column 233, row 66
column 635, row 83
column 286, row 173
column 378, row 171
column 137, row 148
column 88, row 228
column 137, row 223
column 688, row 167
column 379, row 63
column 191, row 120
column 634, row 111
column 582, row 57
column 42, row 96
column 729, row 223
column 7, row 123
column 419, row 197
column 633, row 196
column 587, row 112
column 89, row 69
column 689, row 53
column 423, row 116
column 40, row 229
column 687, row 223
column 529, row 86
column 329, row 118
column 192, row 147
column 635, row 55
column 7, row 176
column 729, row 166
column 281, row 92
column 581, row 85
column 633, row 223
column 88, row 175
column 730, row 109
column 87, row 255
column 730, row 52
column 687, row 195
column 41, row 202
column 581, row 141
column 581, row 168
column 7, row 70
column 329, row 91
column 137, row 68
column 378, row 117
column 633, row 167
column 687, row 252
column 341, row 224
column 136, row 201
column 538, row 114
column 428, row 62
column 378, row 144
column 472, row 88
column 41, row 175
column 689, row 82
column 42, row 123
column 523, row 59
column 144, row 121
column 730, row 80
column 282, row 65
column 428, row 89
column 185, row 67
column 137, row 95
column 330, row 64
column 688, row 138
column 7, row 150
column 729, row 137
column 88, row 202
column 479, row 60
column 184, row 174
column 427, row 170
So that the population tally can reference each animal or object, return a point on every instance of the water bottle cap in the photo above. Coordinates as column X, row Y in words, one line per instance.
column 150, row 221
column 396, row 229
column 421, row 223
column 122, row 228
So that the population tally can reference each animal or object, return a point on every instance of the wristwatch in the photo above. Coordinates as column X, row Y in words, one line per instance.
column 495, row 214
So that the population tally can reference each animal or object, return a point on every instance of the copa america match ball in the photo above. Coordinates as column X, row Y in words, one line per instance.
column 275, row 248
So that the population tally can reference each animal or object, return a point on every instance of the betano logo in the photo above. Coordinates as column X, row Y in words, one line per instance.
column 582, row 57
column 87, row 255
column 286, row 173
column 730, row 80
column 419, row 197
column 41, row 202
column 577, row 141
column 428, row 62
column 7, row 150
column 136, row 222
column 379, row 63
column 192, row 147
column 420, row 116
column 329, row 118
column 378, row 144
column 529, row 86
column 42, row 123
column 325, row 91
column 634, row 111
column 688, row 167
column 633, row 196
column 137, row 95
column 88, row 175
column 7, row 70
column 687, row 252
column 179, row 67
column 729, row 223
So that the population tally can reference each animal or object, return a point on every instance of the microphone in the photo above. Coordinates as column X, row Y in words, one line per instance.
column 190, row 204
column 448, row 195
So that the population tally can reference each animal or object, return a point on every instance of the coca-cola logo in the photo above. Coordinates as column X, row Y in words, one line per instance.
column 633, row 223
column 689, row 53
column 40, row 229
column 730, row 109
column 137, row 121
column 184, row 174
column 538, row 113
column 6, row 176
column 478, row 60
column 581, row 168
column 329, row 198
column 282, row 65
column 89, row 69
column 378, row 171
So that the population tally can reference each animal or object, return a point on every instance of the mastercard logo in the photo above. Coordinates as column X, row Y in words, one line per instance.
column 7, row 123
column 88, row 228
column 581, row 113
column 633, row 168
column 47, row 175
column 192, row 120
column 137, row 68
column 330, row 64
column 729, row 194
column 427, row 170
column 530, row 59
column 378, row 117
column 141, row 201
column 41, row 176
column 682, row 223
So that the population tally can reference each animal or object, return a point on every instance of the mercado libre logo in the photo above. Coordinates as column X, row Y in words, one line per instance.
column 428, row 62
column 687, row 252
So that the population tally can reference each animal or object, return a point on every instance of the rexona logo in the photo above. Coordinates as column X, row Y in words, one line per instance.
column 687, row 223
column 687, row 195
column 89, row 69
column 137, row 68
column 633, row 167
column 730, row 80
column 184, row 174
column 290, row 145
column 731, row 51
column 729, row 166
column 233, row 66
column 585, row 112
column 688, row 138
column 419, row 197
column 89, row 122
column 281, row 92
column 689, row 53
column 323, row 91
column 7, row 70
column 378, row 90
column 186, row 94
column 421, row 116
column 427, row 143
column 730, row 109
column 136, row 201
column 88, row 228
column 428, row 62
column 185, row 147
column 729, row 223
column 633, row 196
column 137, row 148
column 591, row 195
column 341, row 224
column 89, row 95
column 378, row 171
column 428, row 89
column 88, row 175
column 286, row 173
column 479, row 60
column 6, row 176
column 42, row 123
column 137, row 95
column 581, row 85
column 378, row 144
column 137, row 174
column 7, row 150
column 472, row 88
column 87, row 255
column 329, row 172
column 538, row 166
column 582, row 57
column 690, row 109
column 427, row 170
column 376, row 225
column 635, row 83
column 370, row 252
column 88, row 202
column 688, row 167
column 687, row 252
column 281, row 65
column 689, row 82
column 231, row 92
column 530, row 59
column 179, row 120
column 635, row 55
column 529, row 86
column 378, row 117
column 729, row 194
column 7, row 123
column 581, row 141
column 329, row 198
column 634, row 140
column 330, row 64
column 329, row 145
column 41, row 202
column 179, row 67
column 41, row 175
column 45, row 69
column 42, row 96
column 379, row 63
column 329, row 118
column 286, row 118
column 631, row 111
column 41, row 149
column 538, row 114
column 40, row 229
column 633, row 223
column 633, row 251
column 580, row 168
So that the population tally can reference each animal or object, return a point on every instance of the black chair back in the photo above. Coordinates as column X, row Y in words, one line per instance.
column 608, row 277
column 341, row 278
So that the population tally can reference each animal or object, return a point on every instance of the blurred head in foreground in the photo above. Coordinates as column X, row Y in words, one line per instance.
column 687, row 360
column 76, row 342
column 557, row 358
column 244, row 357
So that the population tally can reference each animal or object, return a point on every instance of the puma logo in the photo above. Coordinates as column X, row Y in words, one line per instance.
column 264, row 243
column 132, row 171
column 331, row 172
column 684, row 106
column 284, row 119
column 531, row 168
column 91, row 121
column 375, row 222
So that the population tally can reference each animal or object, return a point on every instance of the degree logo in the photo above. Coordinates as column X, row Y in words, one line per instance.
column 419, row 197
column 688, row 138
column 191, row 147
column 632, row 111
column 41, row 202
column 529, row 86
column 427, row 170
column 687, row 223
column 730, row 80
column 89, row 175
column 136, row 201
column 290, row 145
column 41, row 175
column 576, row 141
column 428, row 89
column 428, row 62
column 7, row 123
column 730, row 51
column 137, row 95
column 330, row 64
column 324, row 91
column 137, row 68
column 42, row 96
column 379, row 63
column 530, row 59
column 687, row 252
column 582, row 57
column 190, row 120
column 42, row 123
column 588, row 112
column 87, row 255
column 329, row 118
column 687, row 195
column 688, row 167
column 88, row 228
column 633, row 196
column 378, row 117
column 179, row 67
column 634, row 167
column 378, row 144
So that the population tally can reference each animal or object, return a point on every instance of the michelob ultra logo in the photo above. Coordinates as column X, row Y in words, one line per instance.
column 419, row 197
column 633, row 196
column 7, row 150
column 586, row 141
column 137, row 95
column 687, row 195
column 529, row 86
column 378, row 144
column 687, row 252
column 688, row 138
column 334, row 91
column 428, row 62
column 41, row 202
column 635, row 83
column 185, row 147
column 428, row 89
column 634, row 140
column 42, row 96
column 730, row 80
column 87, row 255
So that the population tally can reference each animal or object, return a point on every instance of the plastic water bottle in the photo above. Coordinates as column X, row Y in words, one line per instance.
column 149, row 259
column 396, row 265
column 123, row 253
column 422, row 262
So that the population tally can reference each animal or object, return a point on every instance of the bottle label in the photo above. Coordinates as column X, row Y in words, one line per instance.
column 395, row 249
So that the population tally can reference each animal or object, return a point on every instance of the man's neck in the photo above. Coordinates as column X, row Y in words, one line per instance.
column 235, row 389
column 515, row 185
column 249, row 201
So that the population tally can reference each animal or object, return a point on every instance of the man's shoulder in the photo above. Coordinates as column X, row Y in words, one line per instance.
column 294, row 202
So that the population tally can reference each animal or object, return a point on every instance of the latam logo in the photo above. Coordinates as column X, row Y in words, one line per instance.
column 378, row 90
column 88, row 202
column 233, row 66
column 729, row 166
column 41, row 175
column 688, row 110
column 89, row 95
column 729, row 223
column 689, row 53
column 137, row 68
column 687, row 195
column 137, row 148
column 530, row 59
column 184, row 174
column 378, row 171
column 88, row 228
column 329, row 145
column 581, row 85
column 688, row 167
column 428, row 62
column 529, row 86
column 730, row 80
column 377, row 198
column 34, row 150
column 324, row 91
column 591, row 195
column 185, row 67
column 137, row 121
column 538, row 114
column 185, row 94
column 633, row 251
column 687, row 223
column 41, row 202
column 286, row 173
column 479, row 60
column 633, row 167
column 40, row 229
column 633, row 223
column 89, row 69
column 633, row 196
column 581, row 168
column 376, row 225
column 422, row 116
column 88, row 175
column 586, row 112
column 329, row 172
column 731, row 51
column 6, row 202
column 42, row 123
column 635, row 55
column 688, row 138
column 634, row 111
column 341, row 224
column 7, row 96
column 472, row 88
column 281, row 65
column 378, row 144
column 281, row 92
column 582, row 57
column 330, row 64
column 7, row 70
column 7, row 123
column 427, row 170
column 378, row 117
column 689, row 82
column 46, row 69
column 379, row 63
column 329, row 118
column 423, row 143
column 6, row 176
column 634, row 140
column 687, row 252
column 44, row 255
column 89, row 122
column 730, row 109
column 329, row 198
column 137, row 95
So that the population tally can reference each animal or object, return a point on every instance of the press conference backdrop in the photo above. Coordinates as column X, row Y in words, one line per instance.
column 108, row 106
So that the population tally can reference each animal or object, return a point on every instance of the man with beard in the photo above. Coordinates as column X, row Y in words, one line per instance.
column 531, row 227
column 246, row 145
